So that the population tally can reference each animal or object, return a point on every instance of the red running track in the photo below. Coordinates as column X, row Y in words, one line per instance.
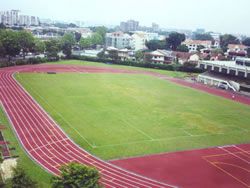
column 219, row 167
column 50, row 147
column 43, row 139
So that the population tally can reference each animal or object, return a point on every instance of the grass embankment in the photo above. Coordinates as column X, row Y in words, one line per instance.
column 33, row 170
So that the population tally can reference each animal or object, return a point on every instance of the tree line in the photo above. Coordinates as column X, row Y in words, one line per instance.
column 19, row 43
column 175, row 39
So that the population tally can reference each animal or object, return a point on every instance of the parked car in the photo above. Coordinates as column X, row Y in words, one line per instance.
column 223, row 85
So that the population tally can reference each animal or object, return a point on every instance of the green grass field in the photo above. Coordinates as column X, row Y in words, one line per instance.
column 32, row 169
column 121, row 115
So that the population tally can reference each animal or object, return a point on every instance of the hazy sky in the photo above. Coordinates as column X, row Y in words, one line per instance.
column 228, row 16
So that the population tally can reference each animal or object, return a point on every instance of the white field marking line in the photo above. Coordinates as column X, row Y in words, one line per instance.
column 138, row 130
column 107, row 164
column 87, row 162
column 39, row 110
column 223, row 148
column 185, row 131
column 49, row 144
column 94, row 146
column 91, row 145
column 58, row 154
column 123, row 170
column 57, row 113
column 241, row 149
column 28, row 122
column 14, row 128
column 118, row 178
column 18, row 136
column 30, row 104
column 62, row 159
column 161, row 139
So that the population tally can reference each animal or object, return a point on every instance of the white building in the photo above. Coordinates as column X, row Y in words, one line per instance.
column 12, row 18
column 140, row 38
column 130, row 25
column 118, row 40
column 159, row 57
column 138, row 41
column 193, row 44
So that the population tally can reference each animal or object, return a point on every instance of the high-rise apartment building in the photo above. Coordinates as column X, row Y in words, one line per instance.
column 130, row 25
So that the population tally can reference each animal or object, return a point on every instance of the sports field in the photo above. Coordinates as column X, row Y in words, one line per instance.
column 123, row 115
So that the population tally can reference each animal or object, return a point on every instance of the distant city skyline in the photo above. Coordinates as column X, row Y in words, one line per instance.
column 226, row 16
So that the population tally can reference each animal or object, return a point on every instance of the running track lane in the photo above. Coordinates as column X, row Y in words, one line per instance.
column 46, row 143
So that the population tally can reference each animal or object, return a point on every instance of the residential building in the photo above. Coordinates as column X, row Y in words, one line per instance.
column 159, row 56
column 193, row 44
column 236, row 50
column 130, row 25
column 24, row 20
column 200, row 30
column 216, row 43
column 216, row 36
column 155, row 27
column 9, row 17
column 85, row 32
column 122, row 54
column 34, row 21
column 185, row 57
column 12, row 18
column 118, row 40
column 138, row 41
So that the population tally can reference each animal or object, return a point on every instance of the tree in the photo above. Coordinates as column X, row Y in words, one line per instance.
column 139, row 55
column 2, row 26
column 2, row 50
column 26, row 42
column 21, row 179
column 39, row 46
column 182, row 48
column 113, row 54
column 9, row 43
column 96, row 39
column 200, row 47
column 175, row 39
column 156, row 44
column 246, row 41
column 205, row 36
column 75, row 175
column 101, row 54
column 227, row 39
column 68, row 40
column 52, row 47
column 86, row 42
column 78, row 36
column 101, row 30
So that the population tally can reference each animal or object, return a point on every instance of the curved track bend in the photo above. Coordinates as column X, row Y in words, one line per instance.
column 45, row 142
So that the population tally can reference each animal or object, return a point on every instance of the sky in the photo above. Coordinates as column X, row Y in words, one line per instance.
column 226, row 16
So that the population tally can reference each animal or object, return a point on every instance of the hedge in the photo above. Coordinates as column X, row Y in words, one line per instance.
column 171, row 67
